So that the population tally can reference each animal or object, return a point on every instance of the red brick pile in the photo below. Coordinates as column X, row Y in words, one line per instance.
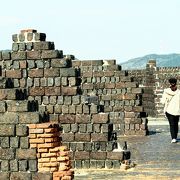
column 51, row 156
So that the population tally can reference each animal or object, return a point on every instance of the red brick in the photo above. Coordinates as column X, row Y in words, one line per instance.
column 36, row 73
column 52, row 91
column 14, row 74
column 36, row 91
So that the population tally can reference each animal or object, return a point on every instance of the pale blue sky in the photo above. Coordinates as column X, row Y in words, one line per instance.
column 97, row 29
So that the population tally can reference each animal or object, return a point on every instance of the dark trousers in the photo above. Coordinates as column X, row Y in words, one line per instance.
column 173, row 122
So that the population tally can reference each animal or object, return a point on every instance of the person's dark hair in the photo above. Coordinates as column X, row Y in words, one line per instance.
column 172, row 80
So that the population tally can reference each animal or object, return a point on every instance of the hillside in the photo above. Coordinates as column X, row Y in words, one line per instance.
column 169, row 60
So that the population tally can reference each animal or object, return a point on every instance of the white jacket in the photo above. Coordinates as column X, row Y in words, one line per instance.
column 171, row 101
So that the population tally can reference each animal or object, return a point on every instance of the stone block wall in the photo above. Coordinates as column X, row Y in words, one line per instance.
column 153, row 80
column 93, row 101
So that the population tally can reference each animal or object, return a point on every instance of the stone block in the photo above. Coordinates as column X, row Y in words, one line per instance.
column 83, row 118
column 67, row 119
column 17, row 106
column 4, row 165
column 47, row 54
column 100, row 118
column 33, row 54
column 29, row 118
column 39, row 36
column 18, row 55
column 6, row 55
column 115, row 155
column 82, row 128
column 23, row 165
column 4, row 142
column 36, row 91
column 60, row 63
column 67, row 137
column 15, row 46
column 14, row 73
column 20, row 176
column 76, row 99
column 15, row 37
column 14, row 142
column 32, row 164
column 52, row 72
column 22, row 47
column 24, row 142
column 68, row 72
column 97, row 137
column 84, row 137
column 74, row 128
column 7, row 154
column 2, row 107
column 35, row 73
column 42, row 175
column 7, row 130
column 82, row 155
column 70, row 91
column 98, row 155
column 5, row 175
column 31, row 63
column 43, row 45
column 25, row 154
column 13, row 165
column 29, row 46
column 52, row 91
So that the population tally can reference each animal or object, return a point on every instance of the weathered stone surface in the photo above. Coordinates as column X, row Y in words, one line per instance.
column 14, row 74
column 47, row 54
column 33, row 54
column 20, row 176
column 26, row 153
column 29, row 118
column 17, row 106
column 18, row 55
column 42, row 175
column 60, row 63
column 36, row 73
column 7, row 130
column 7, row 154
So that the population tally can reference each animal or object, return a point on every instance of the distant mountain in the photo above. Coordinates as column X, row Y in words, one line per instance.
column 169, row 60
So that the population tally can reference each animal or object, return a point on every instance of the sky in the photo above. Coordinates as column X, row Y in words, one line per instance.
column 97, row 29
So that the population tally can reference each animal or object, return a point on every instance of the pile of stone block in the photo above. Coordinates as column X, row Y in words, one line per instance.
column 94, row 101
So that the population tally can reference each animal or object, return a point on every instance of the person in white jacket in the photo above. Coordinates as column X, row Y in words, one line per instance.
column 171, row 101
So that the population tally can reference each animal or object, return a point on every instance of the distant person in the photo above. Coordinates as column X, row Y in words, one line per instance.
column 171, row 101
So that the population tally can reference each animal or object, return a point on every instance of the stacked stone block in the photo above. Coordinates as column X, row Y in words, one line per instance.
column 51, row 156
column 94, row 101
